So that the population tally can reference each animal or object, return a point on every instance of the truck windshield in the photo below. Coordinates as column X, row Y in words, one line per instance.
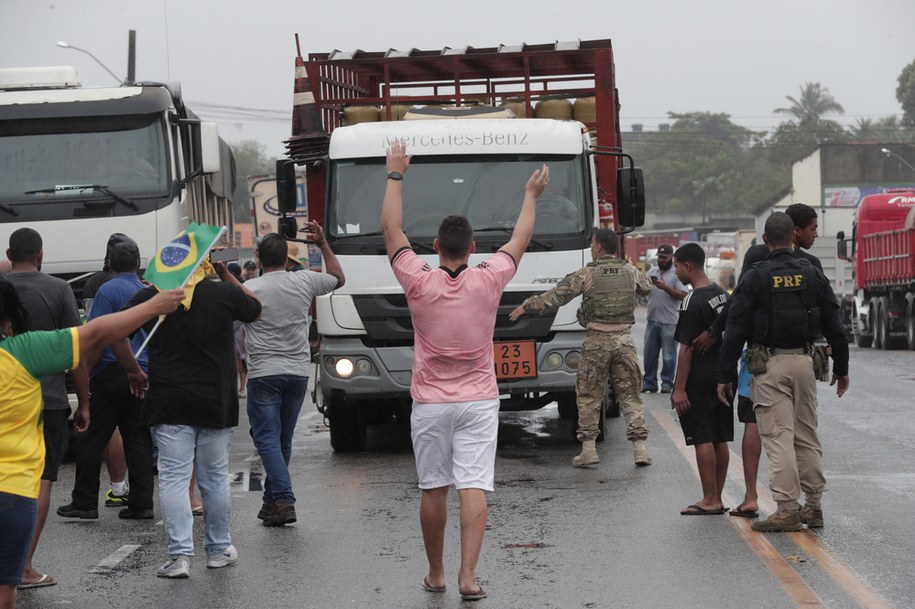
column 487, row 189
column 126, row 154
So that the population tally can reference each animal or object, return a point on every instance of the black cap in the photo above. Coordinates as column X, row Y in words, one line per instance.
column 665, row 248
column 250, row 264
column 115, row 239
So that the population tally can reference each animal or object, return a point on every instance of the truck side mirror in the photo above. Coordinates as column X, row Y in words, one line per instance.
column 630, row 197
column 209, row 147
column 285, row 186
column 841, row 246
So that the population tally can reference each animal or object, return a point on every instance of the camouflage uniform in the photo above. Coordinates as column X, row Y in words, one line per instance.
column 608, row 286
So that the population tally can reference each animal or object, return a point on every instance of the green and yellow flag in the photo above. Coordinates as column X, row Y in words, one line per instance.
column 176, row 262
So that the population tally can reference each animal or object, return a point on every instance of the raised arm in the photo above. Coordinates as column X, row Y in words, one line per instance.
column 524, row 227
column 392, row 207
column 107, row 329
column 330, row 258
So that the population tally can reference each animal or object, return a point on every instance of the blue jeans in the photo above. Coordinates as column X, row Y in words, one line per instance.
column 660, row 338
column 274, row 403
column 181, row 447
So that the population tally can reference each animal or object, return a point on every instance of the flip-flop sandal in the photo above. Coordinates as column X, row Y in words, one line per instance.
column 739, row 511
column 480, row 594
column 695, row 510
column 42, row 582
column 430, row 588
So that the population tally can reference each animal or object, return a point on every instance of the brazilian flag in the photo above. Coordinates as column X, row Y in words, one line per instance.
column 174, row 263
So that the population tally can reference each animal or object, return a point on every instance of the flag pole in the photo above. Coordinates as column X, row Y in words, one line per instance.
column 222, row 231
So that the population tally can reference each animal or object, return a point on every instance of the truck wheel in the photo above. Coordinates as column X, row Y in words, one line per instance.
column 910, row 326
column 347, row 429
column 860, row 339
column 568, row 407
column 880, row 324
column 611, row 404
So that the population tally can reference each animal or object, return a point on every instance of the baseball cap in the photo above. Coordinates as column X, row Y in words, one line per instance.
column 250, row 264
column 292, row 251
column 665, row 248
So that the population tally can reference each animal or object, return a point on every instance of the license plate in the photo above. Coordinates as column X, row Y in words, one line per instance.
column 515, row 360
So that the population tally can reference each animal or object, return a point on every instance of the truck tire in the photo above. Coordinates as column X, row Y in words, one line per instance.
column 611, row 404
column 910, row 326
column 860, row 339
column 568, row 407
column 347, row 427
column 881, row 330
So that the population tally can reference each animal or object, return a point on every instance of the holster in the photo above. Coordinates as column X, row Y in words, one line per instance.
column 821, row 355
column 757, row 356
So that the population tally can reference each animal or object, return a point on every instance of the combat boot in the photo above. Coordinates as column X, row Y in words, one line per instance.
column 588, row 455
column 641, row 453
column 812, row 516
column 780, row 521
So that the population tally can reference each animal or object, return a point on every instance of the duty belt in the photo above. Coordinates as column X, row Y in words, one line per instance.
column 798, row 351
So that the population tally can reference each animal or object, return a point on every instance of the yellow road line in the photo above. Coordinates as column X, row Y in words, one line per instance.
column 811, row 544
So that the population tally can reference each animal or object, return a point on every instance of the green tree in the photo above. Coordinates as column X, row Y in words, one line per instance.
column 813, row 102
column 905, row 94
column 250, row 160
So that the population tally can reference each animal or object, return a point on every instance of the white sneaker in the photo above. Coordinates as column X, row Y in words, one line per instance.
column 176, row 567
column 228, row 557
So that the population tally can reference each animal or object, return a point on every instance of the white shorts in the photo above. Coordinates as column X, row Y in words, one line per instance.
column 455, row 443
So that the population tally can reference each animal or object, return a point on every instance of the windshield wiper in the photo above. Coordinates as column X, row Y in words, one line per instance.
column 94, row 187
column 509, row 231
column 9, row 209
column 372, row 234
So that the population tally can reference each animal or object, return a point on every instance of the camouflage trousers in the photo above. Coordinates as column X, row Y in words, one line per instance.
column 609, row 356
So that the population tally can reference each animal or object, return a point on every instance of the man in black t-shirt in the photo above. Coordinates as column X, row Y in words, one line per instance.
column 707, row 424
column 193, row 405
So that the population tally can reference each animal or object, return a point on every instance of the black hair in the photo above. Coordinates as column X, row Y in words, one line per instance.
column 607, row 239
column 11, row 306
column 124, row 257
column 802, row 215
column 272, row 250
column 113, row 240
column 25, row 245
column 779, row 230
column 690, row 252
column 455, row 236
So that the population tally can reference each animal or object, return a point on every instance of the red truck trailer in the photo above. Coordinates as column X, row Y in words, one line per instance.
column 883, row 255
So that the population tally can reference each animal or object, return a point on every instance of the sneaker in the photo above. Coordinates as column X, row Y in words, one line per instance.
column 71, row 511
column 177, row 567
column 812, row 517
column 779, row 522
column 129, row 514
column 647, row 390
column 112, row 500
column 283, row 513
column 229, row 556
column 667, row 389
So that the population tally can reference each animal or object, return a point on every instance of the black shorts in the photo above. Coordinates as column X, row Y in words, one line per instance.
column 745, row 412
column 56, row 433
column 707, row 419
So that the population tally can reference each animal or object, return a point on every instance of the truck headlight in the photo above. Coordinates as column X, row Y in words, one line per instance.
column 554, row 360
column 572, row 359
column 344, row 367
column 363, row 366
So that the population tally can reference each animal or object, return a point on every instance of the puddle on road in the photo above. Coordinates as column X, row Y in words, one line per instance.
column 250, row 481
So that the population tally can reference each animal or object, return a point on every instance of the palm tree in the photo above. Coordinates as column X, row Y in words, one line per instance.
column 813, row 103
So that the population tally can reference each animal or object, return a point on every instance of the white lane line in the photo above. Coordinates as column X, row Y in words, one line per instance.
column 115, row 558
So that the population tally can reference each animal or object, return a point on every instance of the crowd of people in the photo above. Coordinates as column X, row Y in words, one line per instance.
column 173, row 408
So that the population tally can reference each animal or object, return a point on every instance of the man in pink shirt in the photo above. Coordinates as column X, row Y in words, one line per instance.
column 455, row 396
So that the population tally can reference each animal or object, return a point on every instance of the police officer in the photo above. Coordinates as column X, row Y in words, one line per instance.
column 608, row 286
column 780, row 307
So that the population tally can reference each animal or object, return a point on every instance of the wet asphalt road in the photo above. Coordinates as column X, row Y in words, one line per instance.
column 609, row 536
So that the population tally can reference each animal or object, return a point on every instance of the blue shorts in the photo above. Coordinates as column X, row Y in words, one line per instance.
column 17, row 523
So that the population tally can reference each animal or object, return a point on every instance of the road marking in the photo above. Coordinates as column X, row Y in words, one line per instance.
column 807, row 541
column 115, row 558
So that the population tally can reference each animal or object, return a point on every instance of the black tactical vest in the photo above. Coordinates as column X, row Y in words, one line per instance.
column 787, row 317
column 611, row 299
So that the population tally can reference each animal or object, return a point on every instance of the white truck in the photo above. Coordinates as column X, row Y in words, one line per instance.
column 462, row 164
column 81, row 163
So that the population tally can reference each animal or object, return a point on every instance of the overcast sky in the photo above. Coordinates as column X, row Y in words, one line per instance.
column 730, row 56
